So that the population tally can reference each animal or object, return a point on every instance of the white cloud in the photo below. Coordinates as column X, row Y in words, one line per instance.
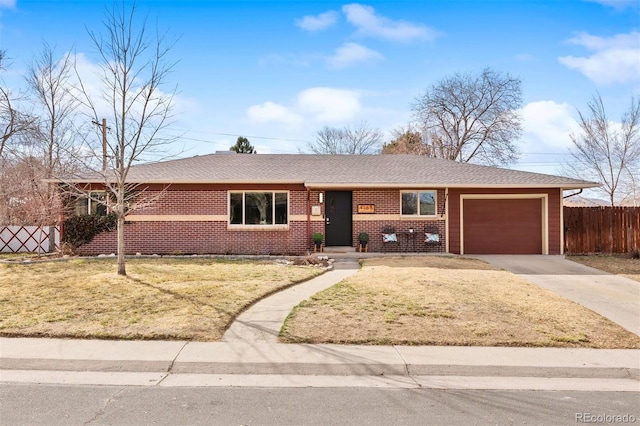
column 546, row 126
column 93, row 86
column 615, row 59
column 616, row 4
column 325, row 104
column 317, row 23
column 351, row 54
column 364, row 18
column 91, row 75
column 7, row 4
column 272, row 112
column 525, row 57
column 286, row 60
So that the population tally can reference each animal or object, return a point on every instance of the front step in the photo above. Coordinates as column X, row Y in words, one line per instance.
column 339, row 249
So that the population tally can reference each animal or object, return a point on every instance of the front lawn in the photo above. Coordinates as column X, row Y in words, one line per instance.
column 447, row 301
column 190, row 299
column 621, row 264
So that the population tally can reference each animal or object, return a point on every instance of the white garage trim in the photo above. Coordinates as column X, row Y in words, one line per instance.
column 545, row 213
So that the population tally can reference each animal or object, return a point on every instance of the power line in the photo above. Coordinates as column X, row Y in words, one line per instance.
column 237, row 134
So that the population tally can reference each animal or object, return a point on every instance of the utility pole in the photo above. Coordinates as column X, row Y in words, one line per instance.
column 103, row 125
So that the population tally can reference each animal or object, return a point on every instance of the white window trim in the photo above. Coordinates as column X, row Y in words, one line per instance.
column 418, row 215
column 245, row 227
column 89, row 201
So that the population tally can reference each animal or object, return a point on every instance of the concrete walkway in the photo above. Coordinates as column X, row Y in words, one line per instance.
column 250, row 355
column 261, row 323
column 611, row 296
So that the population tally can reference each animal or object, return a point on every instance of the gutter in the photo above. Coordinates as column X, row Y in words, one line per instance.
column 572, row 195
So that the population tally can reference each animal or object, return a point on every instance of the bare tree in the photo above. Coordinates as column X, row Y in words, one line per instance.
column 604, row 151
column 631, row 186
column 134, row 67
column 49, row 80
column 15, row 125
column 468, row 117
column 13, row 121
column 23, row 192
column 347, row 140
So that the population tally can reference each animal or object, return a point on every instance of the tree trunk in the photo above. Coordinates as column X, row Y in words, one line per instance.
column 121, row 266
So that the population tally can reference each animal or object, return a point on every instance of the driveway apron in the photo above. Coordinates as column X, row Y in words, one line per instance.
column 616, row 298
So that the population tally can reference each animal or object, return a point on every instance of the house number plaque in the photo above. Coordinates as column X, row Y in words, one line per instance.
column 366, row 208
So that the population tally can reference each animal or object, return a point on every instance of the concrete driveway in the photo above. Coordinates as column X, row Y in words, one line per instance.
column 613, row 297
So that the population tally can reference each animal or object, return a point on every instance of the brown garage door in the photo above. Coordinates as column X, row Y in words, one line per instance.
column 502, row 226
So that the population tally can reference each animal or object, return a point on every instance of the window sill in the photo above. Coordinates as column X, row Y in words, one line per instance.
column 257, row 227
column 425, row 217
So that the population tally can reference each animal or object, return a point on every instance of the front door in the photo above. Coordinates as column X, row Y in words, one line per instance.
column 337, row 218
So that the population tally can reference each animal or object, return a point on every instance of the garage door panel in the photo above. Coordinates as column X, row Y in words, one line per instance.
column 502, row 226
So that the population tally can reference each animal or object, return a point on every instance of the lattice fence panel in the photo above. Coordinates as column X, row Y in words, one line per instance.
column 31, row 239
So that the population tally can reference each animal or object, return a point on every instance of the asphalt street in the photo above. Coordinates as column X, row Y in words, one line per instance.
column 134, row 405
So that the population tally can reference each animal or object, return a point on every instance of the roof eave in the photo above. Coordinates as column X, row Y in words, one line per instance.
column 329, row 185
column 333, row 185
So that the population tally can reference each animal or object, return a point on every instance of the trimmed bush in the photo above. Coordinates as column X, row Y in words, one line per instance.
column 79, row 230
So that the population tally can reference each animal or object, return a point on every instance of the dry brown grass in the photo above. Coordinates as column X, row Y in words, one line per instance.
column 160, row 299
column 447, row 301
column 623, row 265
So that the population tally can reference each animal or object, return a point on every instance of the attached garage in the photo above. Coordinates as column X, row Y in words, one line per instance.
column 503, row 224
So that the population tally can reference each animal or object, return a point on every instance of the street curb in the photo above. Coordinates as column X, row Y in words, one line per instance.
column 316, row 369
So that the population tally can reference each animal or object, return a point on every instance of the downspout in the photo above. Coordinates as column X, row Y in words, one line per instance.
column 571, row 195
column 308, row 217
column 564, row 229
column 446, row 219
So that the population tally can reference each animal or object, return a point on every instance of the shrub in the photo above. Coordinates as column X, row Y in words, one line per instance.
column 79, row 230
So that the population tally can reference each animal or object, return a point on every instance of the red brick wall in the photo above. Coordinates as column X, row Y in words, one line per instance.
column 387, row 202
column 208, row 237
column 198, row 237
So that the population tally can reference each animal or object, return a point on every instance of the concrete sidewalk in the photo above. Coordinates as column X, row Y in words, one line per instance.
column 250, row 347
column 326, row 359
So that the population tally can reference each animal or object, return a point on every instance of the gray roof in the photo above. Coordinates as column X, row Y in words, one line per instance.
column 341, row 171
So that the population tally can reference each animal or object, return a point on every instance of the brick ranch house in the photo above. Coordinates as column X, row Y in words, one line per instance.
column 272, row 204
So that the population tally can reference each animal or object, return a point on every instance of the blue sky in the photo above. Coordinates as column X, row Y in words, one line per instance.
column 276, row 72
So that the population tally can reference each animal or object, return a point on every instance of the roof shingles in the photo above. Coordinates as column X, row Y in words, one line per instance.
column 341, row 171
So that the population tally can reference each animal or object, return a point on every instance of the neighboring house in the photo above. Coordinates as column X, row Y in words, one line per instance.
column 258, row 204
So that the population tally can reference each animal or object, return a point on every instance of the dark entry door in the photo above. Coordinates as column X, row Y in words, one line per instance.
column 338, row 216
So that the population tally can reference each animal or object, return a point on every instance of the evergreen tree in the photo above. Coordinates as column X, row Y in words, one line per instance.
column 243, row 146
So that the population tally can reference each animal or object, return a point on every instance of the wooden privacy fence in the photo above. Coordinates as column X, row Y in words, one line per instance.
column 32, row 239
column 601, row 229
